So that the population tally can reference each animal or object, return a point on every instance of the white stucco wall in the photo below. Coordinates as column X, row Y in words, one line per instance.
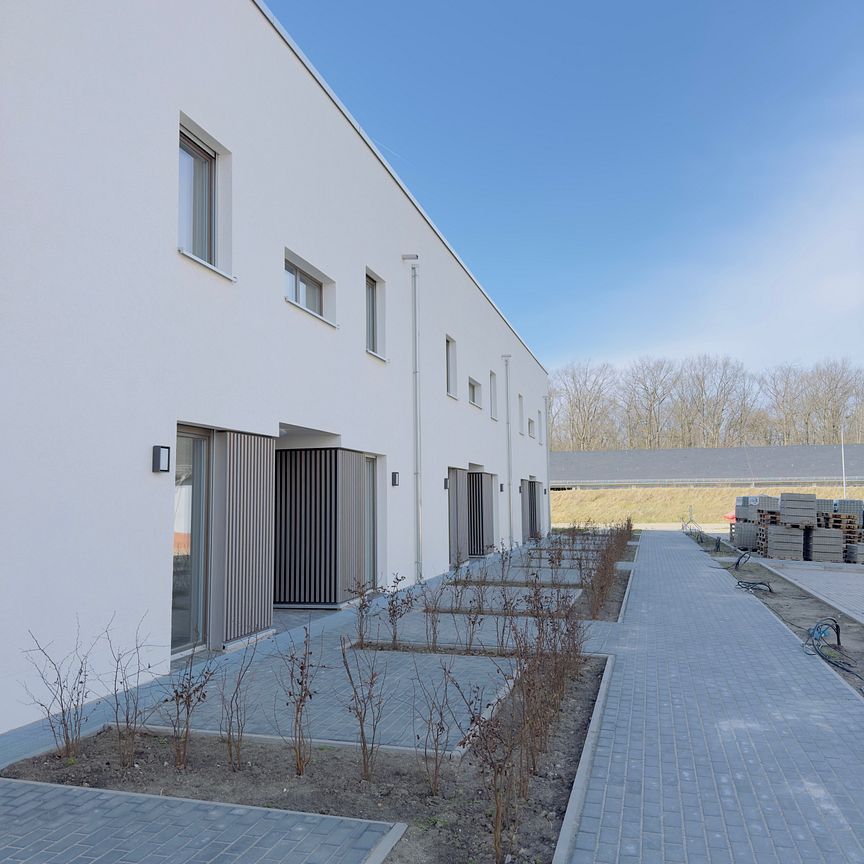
column 109, row 337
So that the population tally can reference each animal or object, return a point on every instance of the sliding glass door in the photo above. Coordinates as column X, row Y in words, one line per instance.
column 191, row 508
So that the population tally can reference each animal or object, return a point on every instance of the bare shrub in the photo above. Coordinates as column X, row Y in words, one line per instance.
column 431, row 600
column 492, row 743
column 363, row 594
column 366, row 702
column 233, row 690
column 435, row 715
column 473, row 619
column 65, row 682
column 187, row 689
column 125, row 694
column 399, row 603
column 296, row 678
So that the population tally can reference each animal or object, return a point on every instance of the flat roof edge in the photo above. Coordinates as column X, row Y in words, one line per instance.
column 265, row 11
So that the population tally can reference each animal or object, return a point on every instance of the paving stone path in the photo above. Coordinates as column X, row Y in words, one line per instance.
column 720, row 741
column 65, row 824
column 841, row 587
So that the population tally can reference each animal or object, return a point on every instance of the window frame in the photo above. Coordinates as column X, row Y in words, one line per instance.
column 372, row 311
column 521, row 402
column 301, row 275
column 198, row 150
column 450, row 371
column 477, row 399
column 531, row 428
column 493, row 395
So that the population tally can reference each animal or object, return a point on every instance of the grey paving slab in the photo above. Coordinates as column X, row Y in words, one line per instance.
column 720, row 739
column 58, row 824
column 841, row 586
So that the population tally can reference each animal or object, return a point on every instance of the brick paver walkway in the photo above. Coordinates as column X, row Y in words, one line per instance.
column 59, row 824
column 841, row 586
column 721, row 740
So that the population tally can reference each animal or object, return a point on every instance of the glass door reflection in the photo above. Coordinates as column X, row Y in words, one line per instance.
column 190, row 540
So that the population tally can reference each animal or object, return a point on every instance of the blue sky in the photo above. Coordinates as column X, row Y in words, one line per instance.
column 626, row 178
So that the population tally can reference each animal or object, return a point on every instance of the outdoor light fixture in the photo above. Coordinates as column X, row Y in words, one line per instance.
column 520, row 488
column 501, row 485
column 446, row 483
column 161, row 459
column 394, row 478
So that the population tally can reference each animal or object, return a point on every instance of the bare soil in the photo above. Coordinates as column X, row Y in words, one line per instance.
column 452, row 828
column 797, row 609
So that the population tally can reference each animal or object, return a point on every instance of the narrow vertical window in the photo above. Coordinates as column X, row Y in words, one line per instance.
column 493, row 395
column 530, row 428
column 450, row 356
column 474, row 393
column 197, row 200
column 540, row 427
column 372, row 315
column 521, row 415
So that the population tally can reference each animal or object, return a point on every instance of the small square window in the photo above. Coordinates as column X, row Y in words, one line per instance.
column 197, row 200
column 303, row 290
column 474, row 392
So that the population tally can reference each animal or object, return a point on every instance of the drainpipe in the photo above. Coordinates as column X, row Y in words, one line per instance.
column 418, row 472
column 506, row 359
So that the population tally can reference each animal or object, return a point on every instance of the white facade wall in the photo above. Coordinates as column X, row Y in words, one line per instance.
column 109, row 337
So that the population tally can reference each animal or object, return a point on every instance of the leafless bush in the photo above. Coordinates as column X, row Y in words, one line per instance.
column 125, row 694
column 399, row 603
column 431, row 600
column 233, row 689
column 187, row 689
column 493, row 742
column 296, row 677
column 366, row 702
column 65, row 682
column 435, row 716
column 505, row 560
column 507, row 608
column 363, row 594
column 601, row 577
column 473, row 620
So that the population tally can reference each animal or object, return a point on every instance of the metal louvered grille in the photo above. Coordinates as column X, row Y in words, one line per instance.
column 319, row 519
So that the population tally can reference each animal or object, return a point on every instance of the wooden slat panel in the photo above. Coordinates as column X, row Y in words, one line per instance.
column 248, row 534
column 457, row 485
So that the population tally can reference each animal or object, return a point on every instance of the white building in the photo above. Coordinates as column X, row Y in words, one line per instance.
column 260, row 325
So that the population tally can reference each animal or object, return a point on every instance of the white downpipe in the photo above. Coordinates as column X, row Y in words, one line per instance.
column 418, row 438
column 506, row 358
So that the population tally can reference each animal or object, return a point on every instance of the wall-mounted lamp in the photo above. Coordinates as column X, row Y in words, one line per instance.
column 161, row 459
column 520, row 488
column 394, row 478
column 446, row 482
column 501, row 485
column 544, row 490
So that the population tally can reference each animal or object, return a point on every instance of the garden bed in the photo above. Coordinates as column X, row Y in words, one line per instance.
column 451, row 827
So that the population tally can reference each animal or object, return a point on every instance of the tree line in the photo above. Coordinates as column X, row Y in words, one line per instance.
column 703, row 401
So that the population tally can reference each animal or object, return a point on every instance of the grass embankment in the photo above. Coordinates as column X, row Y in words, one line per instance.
column 668, row 503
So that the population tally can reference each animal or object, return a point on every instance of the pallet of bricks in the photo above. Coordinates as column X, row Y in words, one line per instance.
column 782, row 526
column 745, row 528
column 767, row 515
column 848, row 517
